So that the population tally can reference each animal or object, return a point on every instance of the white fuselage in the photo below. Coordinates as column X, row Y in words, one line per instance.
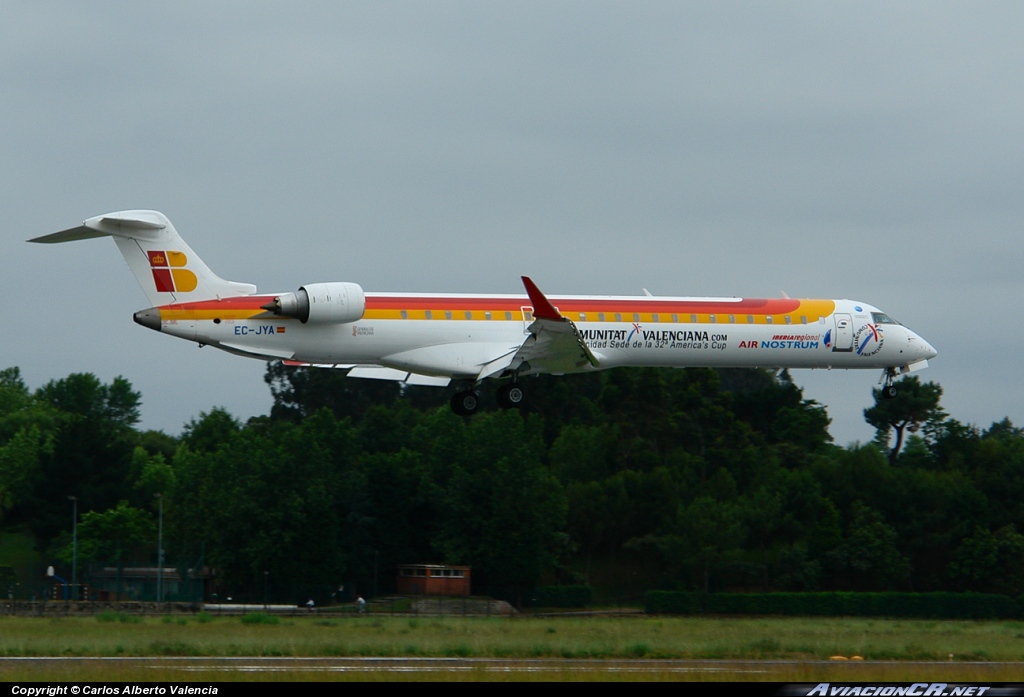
column 455, row 335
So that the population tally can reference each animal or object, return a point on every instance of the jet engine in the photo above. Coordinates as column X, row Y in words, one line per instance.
column 321, row 303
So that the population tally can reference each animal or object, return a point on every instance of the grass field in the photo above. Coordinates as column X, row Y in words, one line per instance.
column 521, row 637
column 792, row 647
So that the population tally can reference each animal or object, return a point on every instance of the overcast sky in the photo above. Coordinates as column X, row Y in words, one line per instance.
column 862, row 150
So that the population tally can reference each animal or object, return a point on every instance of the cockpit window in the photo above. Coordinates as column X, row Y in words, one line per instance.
column 882, row 318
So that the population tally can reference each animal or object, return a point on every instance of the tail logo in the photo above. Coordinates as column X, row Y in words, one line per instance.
column 169, row 273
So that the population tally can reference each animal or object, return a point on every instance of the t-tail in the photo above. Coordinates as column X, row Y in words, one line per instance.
column 166, row 268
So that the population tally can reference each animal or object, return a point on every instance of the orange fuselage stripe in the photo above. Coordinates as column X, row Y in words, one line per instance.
column 511, row 308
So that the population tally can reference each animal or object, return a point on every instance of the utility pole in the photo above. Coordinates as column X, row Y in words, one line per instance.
column 160, row 550
column 74, row 546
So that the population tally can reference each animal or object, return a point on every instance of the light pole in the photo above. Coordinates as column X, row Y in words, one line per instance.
column 74, row 545
column 160, row 549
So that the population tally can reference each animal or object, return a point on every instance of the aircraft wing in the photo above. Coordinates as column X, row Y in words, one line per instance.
column 376, row 372
column 553, row 346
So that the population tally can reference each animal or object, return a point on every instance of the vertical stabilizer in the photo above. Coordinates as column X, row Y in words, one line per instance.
column 166, row 268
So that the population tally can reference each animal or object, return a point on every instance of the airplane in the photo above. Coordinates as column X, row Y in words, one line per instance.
column 439, row 339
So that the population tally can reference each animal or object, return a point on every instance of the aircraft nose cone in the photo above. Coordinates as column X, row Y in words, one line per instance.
column 923, row 351
column 149, row 318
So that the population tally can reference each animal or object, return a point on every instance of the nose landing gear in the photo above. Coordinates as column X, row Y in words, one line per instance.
column 889, row 390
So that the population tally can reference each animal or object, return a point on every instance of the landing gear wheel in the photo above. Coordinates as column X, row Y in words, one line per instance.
column 510, row 396
column 465, row 403
column 890, row 391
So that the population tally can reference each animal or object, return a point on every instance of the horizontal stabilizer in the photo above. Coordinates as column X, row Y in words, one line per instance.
column 70, row 235
column 124, row 224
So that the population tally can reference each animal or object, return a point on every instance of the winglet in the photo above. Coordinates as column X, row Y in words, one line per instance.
column 542, row 308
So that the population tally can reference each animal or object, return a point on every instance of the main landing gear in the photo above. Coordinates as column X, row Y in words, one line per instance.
column 465, row 403
column 889, row 390
column 509, row 396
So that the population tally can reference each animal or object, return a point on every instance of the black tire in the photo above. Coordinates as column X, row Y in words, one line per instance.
column 511, row 396
column 890, row 391
column 465, row 403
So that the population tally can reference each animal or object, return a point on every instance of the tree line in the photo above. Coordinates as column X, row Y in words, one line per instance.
column 627, row 480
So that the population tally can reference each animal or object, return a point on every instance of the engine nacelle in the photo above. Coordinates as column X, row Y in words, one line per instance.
column 322, row 303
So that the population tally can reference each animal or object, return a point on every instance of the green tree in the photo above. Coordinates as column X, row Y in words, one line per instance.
column 990, row 562
column 915, row 407
column 868, row 558
column 27, row 430
column 774, row 406
column 19, row 465
column 931, row 512
column 283, row 504
column 19, row 408
column 116, row 534
column 994, row 462
column 504, row 512
column 301, row 392
column 152, row 475
column 92, row 445
column 705, row 540
column 210, row 431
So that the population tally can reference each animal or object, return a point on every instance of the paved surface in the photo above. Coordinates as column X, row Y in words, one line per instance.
column 713, row 670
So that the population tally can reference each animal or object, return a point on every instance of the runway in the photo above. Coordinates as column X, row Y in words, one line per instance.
column 195, row 668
